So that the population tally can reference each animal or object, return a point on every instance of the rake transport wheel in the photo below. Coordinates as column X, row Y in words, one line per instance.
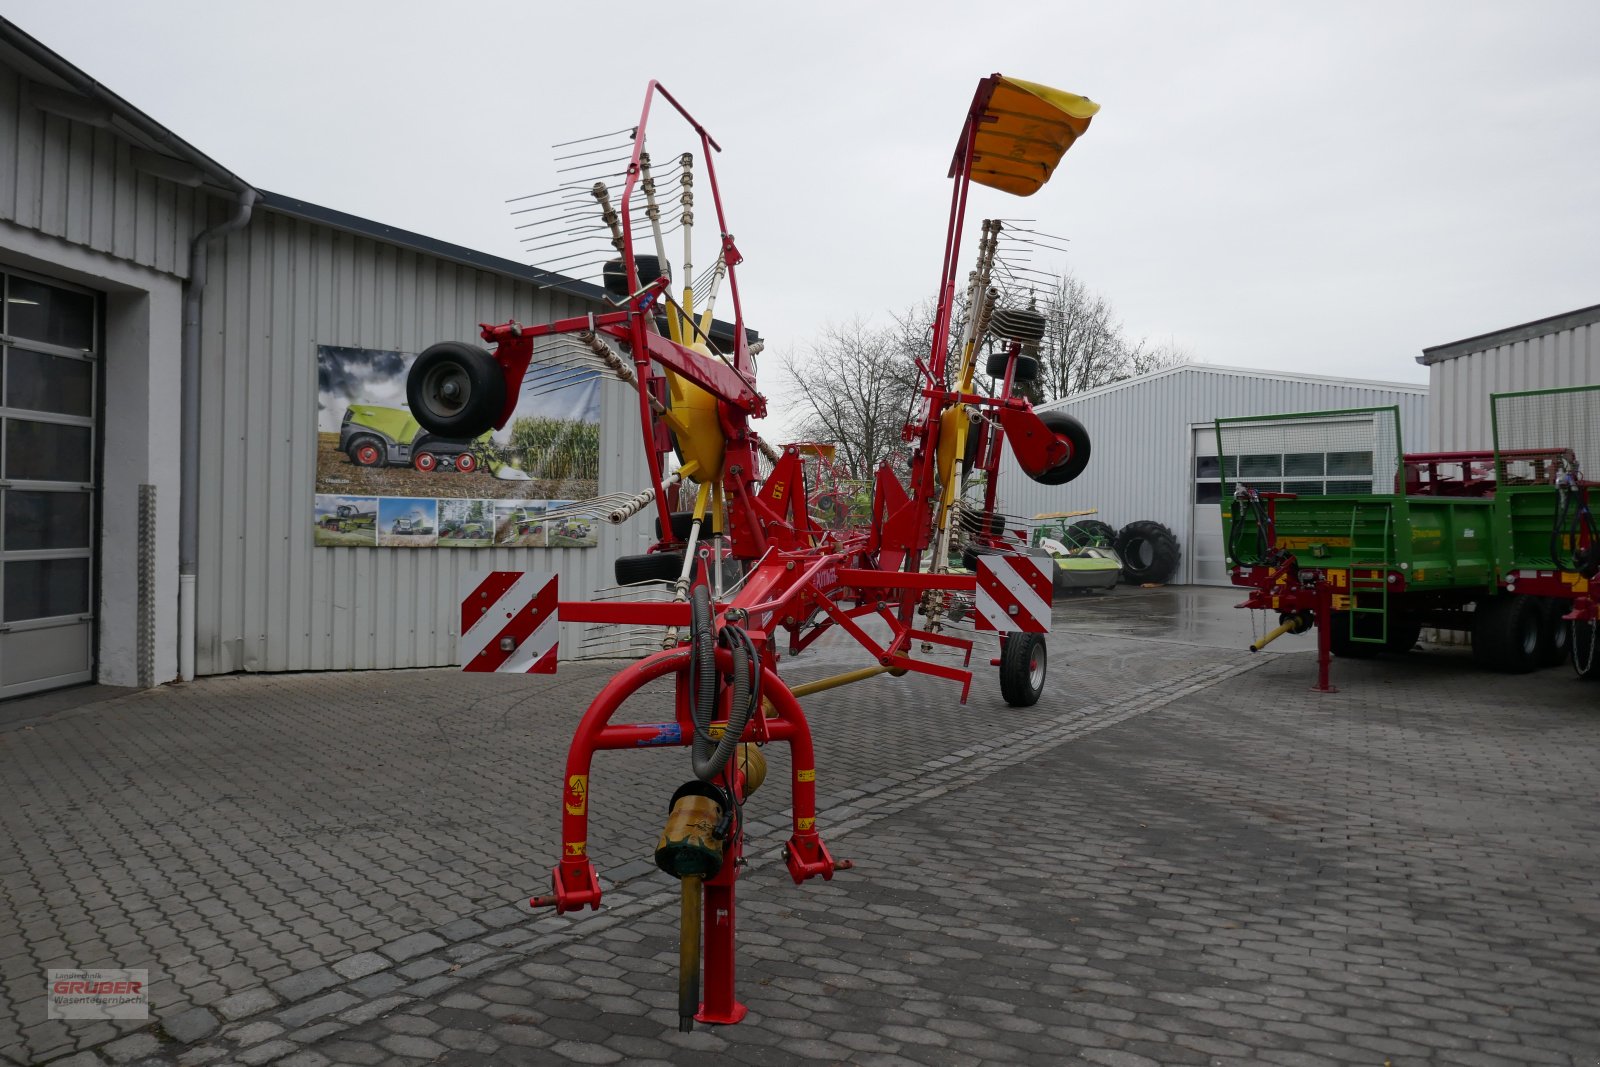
column 1023, row 661
column 651, row 567
column 456, row 390
column 1065, row 426
column 1506, row 632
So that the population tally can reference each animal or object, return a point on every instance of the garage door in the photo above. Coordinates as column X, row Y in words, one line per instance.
column 48, row 348
column 1207, row 561
column 1349, row 454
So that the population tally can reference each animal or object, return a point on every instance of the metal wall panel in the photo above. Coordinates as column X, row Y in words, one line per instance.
column 267, row 599
column 1141, row 434
column 76, row 182
column 1460, row 386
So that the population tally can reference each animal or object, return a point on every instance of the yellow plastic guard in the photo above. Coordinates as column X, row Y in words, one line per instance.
column 1025, row 131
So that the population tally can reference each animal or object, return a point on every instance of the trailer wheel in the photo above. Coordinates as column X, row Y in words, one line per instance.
column 456, row 390
column 1087, row 532
column 652, row 567
column 1065, row 426
column 366, row 452
column 426, row 462
column 1341, row 642
column 466, row 463
column 1506, row 633
column 1149, row 552
column 1555, row 635
column 1023, row 661
column 1403, row 636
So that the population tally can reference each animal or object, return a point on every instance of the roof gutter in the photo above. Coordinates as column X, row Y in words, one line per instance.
column 115, row 106
column 189, row 492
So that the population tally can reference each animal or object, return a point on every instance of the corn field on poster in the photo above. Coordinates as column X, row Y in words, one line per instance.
column 417, row 490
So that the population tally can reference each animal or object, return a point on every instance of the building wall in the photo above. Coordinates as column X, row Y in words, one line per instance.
column 1460, row 386
column 1141, row 435
column 267, row 599
column 74, row 207
column 77, row 182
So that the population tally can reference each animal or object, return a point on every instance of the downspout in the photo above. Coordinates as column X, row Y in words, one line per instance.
column 189, row 449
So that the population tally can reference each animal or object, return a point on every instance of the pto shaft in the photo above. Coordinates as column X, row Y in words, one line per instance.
column 689, row 953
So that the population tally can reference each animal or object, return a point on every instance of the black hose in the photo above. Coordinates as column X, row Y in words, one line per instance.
column 1563, row 504
column 710, row 757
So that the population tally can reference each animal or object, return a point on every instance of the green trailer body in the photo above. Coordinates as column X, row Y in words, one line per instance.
column 1332, row 524
column 1547, row 464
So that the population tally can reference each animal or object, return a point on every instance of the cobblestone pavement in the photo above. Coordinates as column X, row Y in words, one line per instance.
column 1180, row 855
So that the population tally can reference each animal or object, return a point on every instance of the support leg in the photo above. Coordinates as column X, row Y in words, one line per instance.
column 1324, row 639
column 720, row 1005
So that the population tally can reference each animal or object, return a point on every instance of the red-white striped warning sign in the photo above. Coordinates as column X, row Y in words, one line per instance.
column 1014, row 594
column 508, row 623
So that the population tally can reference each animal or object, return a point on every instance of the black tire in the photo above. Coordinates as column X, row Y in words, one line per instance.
column 1086, row 532
column 1555, row 633
column 1345, row 645
column 652, row 567
column 374, row 450
column 616, row 279
column 1017, row 324
column 1063, row 425
column 996, row 365
column 681, row 522
column 1506, row 632
column 1149, row 552
column 1024, row 660
column 970, row 554
column 1403, row 636
column 1027, row 370
column 456, row 390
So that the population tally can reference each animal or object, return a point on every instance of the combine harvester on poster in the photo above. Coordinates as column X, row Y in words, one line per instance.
column 724, row 501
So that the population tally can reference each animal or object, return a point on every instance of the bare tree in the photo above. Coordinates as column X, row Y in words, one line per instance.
column 856, row 386
column 1084, row 346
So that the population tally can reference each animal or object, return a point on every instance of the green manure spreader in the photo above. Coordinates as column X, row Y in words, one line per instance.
column 1328, row 522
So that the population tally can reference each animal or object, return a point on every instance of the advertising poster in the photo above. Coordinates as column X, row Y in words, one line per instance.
column 383, row 481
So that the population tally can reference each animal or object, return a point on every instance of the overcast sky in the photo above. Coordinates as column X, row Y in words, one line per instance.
column 1326, row 188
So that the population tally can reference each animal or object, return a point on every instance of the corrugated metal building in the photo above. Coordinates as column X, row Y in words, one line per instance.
column 1154, row 450
column 1550, row 353
column 110, row 227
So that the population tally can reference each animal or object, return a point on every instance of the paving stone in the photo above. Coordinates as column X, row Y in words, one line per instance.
column 421, row 1048
column 460, row 930
column 190, row 1026
column 360, row 965
column 306, row 983
column 266, row 1053
column 128, row 1049
column 307, row 1010
column 412, row 945
column 376, row 985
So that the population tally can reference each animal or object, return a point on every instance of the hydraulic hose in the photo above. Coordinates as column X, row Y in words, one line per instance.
column 711, row 757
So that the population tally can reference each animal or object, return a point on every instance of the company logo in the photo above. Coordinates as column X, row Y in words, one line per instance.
column 97, row 994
